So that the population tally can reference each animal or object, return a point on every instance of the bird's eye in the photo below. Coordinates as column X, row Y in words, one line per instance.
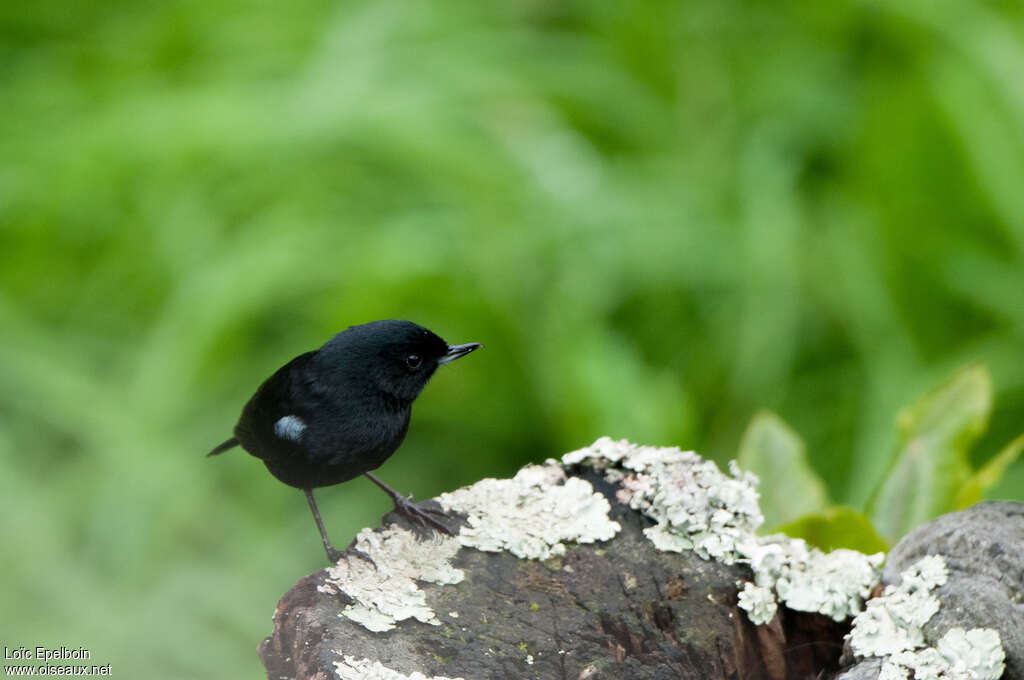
column 413, row 361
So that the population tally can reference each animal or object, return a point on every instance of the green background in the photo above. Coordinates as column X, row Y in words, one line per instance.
column 660, row 217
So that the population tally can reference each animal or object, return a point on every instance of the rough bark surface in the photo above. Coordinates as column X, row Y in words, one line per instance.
column 616, row 610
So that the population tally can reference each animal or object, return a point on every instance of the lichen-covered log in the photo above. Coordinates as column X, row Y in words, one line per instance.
column 619, row 610
column 619, row 562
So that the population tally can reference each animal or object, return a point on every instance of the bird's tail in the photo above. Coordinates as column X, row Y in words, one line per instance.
column 221, row 448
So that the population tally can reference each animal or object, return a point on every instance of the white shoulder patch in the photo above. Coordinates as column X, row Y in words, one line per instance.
column 290, row 427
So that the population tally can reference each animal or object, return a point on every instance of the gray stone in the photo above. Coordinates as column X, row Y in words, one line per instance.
column 984, row 550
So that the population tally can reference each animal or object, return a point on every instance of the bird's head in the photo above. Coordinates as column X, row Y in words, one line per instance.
column 397, row 357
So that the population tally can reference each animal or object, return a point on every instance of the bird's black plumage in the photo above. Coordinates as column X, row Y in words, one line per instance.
column 333, row 414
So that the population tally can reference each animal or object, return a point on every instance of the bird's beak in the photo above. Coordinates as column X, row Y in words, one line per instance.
column 456, row 351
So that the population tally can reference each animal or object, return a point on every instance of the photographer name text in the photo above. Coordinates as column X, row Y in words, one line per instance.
column 46, row 654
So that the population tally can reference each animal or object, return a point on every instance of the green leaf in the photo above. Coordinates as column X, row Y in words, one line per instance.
column 989, row 474
column 775, row 453
column 837, row 527
column 930, row 467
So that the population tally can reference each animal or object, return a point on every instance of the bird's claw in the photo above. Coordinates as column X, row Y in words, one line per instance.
column 335, row 555
column 421, row 516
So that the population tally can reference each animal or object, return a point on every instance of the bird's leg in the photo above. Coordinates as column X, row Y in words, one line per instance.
column 332, row 554
column 415, row 514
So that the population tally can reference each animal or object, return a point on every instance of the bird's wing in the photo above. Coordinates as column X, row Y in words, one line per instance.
column 276, row 414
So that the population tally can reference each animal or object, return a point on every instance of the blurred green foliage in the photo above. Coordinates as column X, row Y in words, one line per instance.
column 660, row 218
column 932, row 463
column 929, row 474
column 789, row 488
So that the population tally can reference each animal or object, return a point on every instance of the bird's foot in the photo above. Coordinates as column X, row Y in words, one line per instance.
column 420, row 516
column 335, row 555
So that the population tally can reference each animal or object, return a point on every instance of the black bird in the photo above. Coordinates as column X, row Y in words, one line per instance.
column 330, row 415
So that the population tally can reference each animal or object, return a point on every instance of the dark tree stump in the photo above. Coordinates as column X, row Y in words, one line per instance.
column 600, row 604
column 615, row 610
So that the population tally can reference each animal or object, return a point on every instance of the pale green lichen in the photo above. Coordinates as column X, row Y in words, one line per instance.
column 697, row 507
column 892, row 627
column 894, row 622
column 352, row 668
column 975, row 654
column 387, row 591
column 758, row 602
column 531, row 515
column 978, row 652
column 806, row 579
